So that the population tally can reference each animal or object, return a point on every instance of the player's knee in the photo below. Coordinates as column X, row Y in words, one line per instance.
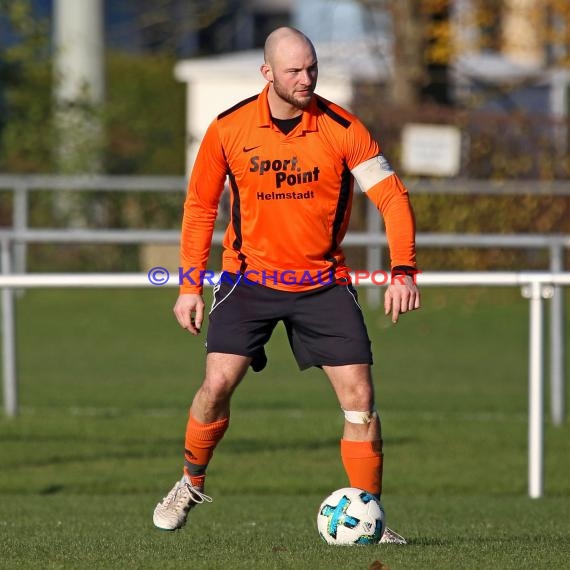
column 358, row 404
column 358, row 397
column 216, row 389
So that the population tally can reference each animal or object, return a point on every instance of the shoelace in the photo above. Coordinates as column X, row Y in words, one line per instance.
column 197, row 496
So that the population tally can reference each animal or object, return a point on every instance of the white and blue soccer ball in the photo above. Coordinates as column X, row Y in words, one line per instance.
column 351, row 516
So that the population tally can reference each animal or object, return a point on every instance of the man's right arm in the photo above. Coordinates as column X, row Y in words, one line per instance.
column 200, row 210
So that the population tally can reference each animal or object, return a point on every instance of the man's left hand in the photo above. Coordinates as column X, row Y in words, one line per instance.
column 401, row 296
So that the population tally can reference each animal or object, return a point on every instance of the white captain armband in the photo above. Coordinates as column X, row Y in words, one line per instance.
column 372, row 171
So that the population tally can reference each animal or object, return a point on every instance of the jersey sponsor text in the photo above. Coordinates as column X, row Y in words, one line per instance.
column 287, row 171
column 307, row 195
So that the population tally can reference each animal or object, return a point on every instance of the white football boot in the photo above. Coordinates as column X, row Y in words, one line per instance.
column 391, row 537
column 172, row 511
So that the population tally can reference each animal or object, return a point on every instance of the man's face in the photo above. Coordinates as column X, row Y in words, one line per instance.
column 295, row 72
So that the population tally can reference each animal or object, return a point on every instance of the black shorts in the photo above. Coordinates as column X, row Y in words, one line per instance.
column 325, row 326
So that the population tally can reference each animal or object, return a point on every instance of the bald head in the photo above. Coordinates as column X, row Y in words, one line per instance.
column 282, row 41
column 291, row 69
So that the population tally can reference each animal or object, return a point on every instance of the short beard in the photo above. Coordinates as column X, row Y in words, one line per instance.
column 290, row 98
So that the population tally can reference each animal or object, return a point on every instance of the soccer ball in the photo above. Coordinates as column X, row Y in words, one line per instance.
column 351, row 516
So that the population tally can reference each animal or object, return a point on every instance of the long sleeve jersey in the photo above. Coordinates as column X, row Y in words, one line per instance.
column 290, row 195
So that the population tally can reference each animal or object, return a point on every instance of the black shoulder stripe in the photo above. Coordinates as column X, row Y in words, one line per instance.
column 237, row 106
column 334, row 116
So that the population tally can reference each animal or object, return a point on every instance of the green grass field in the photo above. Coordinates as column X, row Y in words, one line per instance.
column 105, row 382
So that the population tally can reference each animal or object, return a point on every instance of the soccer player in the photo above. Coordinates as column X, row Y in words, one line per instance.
column 291, row 158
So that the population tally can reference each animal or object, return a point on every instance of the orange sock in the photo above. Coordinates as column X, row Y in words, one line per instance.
column 200, row 442
column 362, row 462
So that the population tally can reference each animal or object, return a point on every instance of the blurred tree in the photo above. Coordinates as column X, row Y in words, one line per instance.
column 190, row 27
column 26, row 136
column 429, row 35
column 421, row 48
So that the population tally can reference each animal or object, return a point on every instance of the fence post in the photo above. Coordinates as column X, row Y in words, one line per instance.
column 557, row 340
column 535, row 292
column 20, row 223
column 10, row 388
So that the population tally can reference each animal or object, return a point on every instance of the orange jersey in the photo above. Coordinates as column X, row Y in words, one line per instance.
column 291, row 195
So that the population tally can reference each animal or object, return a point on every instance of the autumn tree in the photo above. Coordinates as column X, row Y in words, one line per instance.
column 430, row 35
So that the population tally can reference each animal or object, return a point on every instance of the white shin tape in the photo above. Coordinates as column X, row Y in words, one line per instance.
column 359, row 417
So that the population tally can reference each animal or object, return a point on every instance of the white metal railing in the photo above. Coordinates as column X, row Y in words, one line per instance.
column 373, row 239
column 556, row 244
column 536, row 286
